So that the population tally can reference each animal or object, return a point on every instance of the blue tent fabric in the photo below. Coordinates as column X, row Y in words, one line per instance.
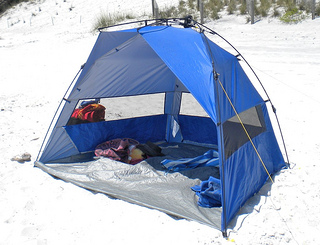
column 235, row 82
column 191, row 129
column 105, row 43
column 171, row 60
column 87, row 136
column 209, row 193
column 195, row 69
column 209, row 158
column 249, row 174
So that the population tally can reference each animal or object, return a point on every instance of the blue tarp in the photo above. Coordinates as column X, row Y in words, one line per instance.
column 209, row 158
column 209, row 193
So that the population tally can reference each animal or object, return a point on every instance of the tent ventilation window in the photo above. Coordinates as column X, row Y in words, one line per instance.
column 190, row 106
column 132, row 106
column 234, row 135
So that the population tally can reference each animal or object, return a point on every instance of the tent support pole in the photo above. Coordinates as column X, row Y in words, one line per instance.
column 55, row 114
column 221, row 153
column 224, row 216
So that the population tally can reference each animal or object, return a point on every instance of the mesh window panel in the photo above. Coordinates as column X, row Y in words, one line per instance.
column 234, row 135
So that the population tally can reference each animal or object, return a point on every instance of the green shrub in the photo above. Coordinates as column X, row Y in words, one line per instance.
column 293, row 12
column 182, row 8
column 7, row 4
column 305, row 6
column 287, row 4
column 292, row 16
column 232, row 7
column 276, row 12
column 243, row 8
column 257, row 10
column 192, row 4
column 264, row 7
column 168, row 12
column 317, row 10
column 107, row 19
column 212, row 8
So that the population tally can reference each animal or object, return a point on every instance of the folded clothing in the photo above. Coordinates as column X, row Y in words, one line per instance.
column 127, row 150
column 209, row 193
column 90, row 113
column 210, row 158
column 117, row 149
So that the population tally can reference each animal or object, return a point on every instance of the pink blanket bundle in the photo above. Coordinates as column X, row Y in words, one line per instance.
column 116, row 149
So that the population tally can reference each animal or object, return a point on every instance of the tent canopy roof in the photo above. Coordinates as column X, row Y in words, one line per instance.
column 157, row 59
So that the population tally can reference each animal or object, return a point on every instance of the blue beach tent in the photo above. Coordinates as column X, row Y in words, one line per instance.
column 169, row 61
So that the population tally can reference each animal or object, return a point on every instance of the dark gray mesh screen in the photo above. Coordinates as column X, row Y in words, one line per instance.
column 234, row 135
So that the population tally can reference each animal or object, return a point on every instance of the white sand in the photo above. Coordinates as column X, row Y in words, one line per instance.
column 40, row 53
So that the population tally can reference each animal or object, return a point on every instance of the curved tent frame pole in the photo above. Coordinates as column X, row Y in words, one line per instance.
column 56, row 112
column 265, row 91
column 152, row 22
column 189, row 22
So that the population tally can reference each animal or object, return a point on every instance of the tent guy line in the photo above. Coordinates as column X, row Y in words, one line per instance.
column 246, row 131
column 258, row 79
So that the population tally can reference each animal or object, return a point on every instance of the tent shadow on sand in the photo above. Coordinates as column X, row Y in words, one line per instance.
column 253, row 204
